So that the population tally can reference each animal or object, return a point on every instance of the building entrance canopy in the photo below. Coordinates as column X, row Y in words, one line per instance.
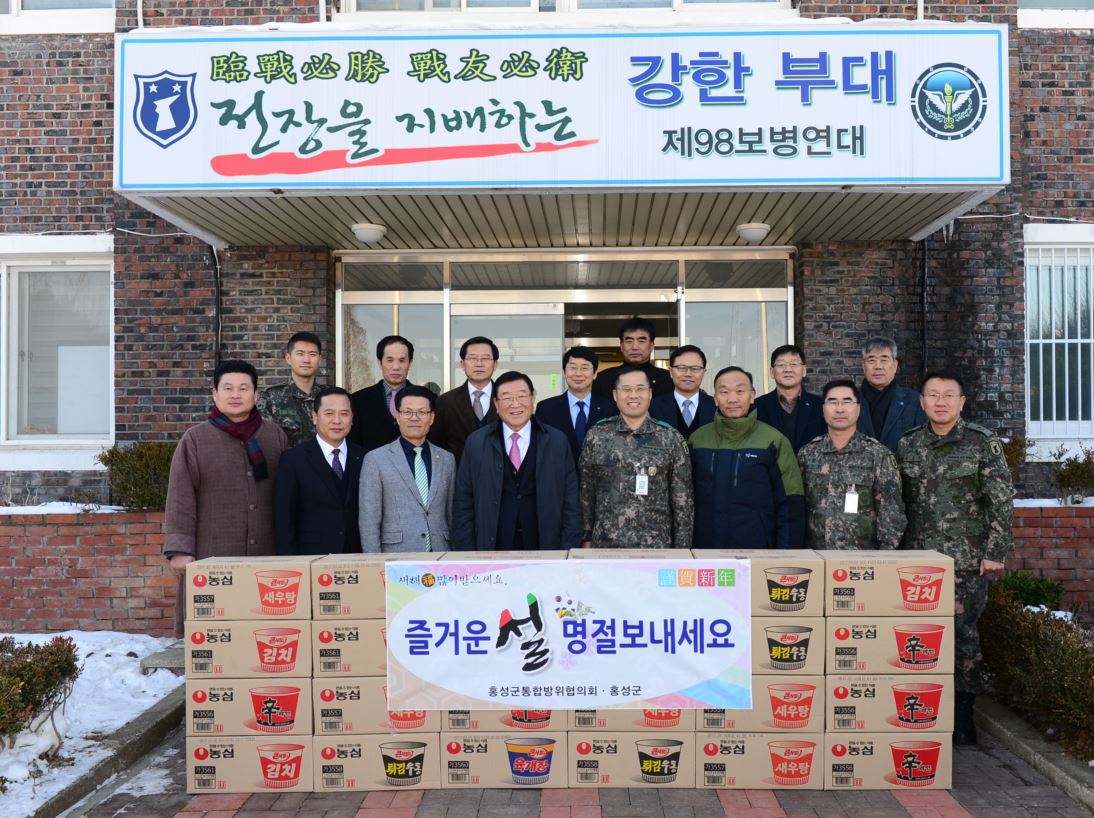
column 525, row 138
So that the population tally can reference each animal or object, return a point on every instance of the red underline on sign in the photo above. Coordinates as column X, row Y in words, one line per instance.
column 240, row 164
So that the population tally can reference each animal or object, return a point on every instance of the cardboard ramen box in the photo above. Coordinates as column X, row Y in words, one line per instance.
column 784, row 583
column 654, row 720
column 243, row 650
column 665, row 760
column 351, row 586
column 243, row 707
column 502, row 720
column 354, row 647
column 759, row 761
column 377, row 762
column 631, row 554
column 888, row 583
column 887, row 761
column 248, row 588
column 503, row 760
column 891, row 703
column 503, row 556
column 791, row 646
column 862, row 644
column 359, row 705
column 248, row 764
column 778, row 705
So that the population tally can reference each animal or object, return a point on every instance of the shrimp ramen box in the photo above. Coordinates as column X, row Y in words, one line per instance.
column 376, row 762
column 632, row 759
column 273, row 764
column 778, row 705
column 888, row 583
column 784, row 583
column 351, row 586
column 249, row 588
column 504, row 760
column 759, row 761
column 244, row 650
column 887, row 761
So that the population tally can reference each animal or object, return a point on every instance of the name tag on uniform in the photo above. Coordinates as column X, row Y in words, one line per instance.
column 642, row 484
column 850, row 502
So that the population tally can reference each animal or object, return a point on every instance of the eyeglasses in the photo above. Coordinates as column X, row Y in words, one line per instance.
column 479, row 359
column 787, row 365
column 577, row 369
column 415, row 413
column 518, row 398
column 684, row 370
column 632, row 390
column 840, row 401
column 936, row 396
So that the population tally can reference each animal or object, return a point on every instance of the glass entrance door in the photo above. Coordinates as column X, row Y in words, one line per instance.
column 528, row 337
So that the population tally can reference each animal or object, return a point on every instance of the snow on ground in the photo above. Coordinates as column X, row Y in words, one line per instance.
column 109, row 692
column 60, row 508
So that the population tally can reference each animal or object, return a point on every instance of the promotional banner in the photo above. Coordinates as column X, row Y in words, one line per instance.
column 914, row 104
column 568, row 634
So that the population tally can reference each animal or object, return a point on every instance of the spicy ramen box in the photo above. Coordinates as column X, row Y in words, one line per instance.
column 887, row 761
column 788, row 646
column 358, row 705
column 503, row 760
column 241, row 707
column 784, row 583
column 351, row 586
column 251, row 588
column 248, row 764
column 888, row 583
column 759, row 761
column 891, row 703
column 376, row 762
column 354, row 647
column 632, row 759
column 889, row 644
column 243, row 650
column 778, row 705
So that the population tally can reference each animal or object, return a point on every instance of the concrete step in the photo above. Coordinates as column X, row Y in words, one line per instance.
column 169, row 659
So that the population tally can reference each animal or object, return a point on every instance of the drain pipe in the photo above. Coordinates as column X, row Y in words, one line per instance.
column 323, row 10
column 140, row 13
column 918, row 10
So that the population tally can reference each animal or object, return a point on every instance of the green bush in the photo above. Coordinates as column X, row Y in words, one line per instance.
column 1076, row 473
column 1030, row 589
column 1043, row 667
column 138, row 474
column 34, row 680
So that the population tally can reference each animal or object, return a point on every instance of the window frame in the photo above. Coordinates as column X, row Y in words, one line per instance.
column 57, row 21
column 769, row 9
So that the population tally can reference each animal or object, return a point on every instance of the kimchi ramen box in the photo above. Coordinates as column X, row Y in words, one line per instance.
column 788, row 646
column 244, row 650
column 759, row 761
column 243, row 707
column 778, row 705
column 248, row 588
column 914, row 644
column 784, row 583
column 632, row 759
column 357, row 705
column 355, row 647
column 376, row 762
column 887, row 761
column 217, row 764
column 887, row 583
column 504, row 760
column 893, row 703
column 351, row 586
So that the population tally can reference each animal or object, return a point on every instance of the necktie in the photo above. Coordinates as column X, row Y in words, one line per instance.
column 514, row 450
column 336, row 464
column 421, row 479
column 391, row 404
column 688, row 416
column 581, row 425
column 478, row 404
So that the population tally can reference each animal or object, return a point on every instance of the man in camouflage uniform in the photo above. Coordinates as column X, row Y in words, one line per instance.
column 852, row 483
column 290, row 404
column 635, row 475
column 958, row 492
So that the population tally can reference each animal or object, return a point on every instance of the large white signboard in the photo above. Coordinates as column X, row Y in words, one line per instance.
column 866, row 104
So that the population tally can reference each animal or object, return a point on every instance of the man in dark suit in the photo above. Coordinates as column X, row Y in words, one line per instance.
column 576, row 409
column 315, row 493
column 888, row 410
column 470, row 406
column 687, row 407
column 636, row 337
column 796, row 413
column 374, row 423
column 516, row 486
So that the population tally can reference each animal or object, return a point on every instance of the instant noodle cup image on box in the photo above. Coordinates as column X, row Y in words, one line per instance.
column 503, row 760
column 897, row 702
column 789, row 582
column 249, row 764
column 758, row 761
column 888, row 583
column 242, row 650
column 778, row 704
column 645, row 759
column 650, row 719
column 784, row 645
column 889, row 645
column 882, row 761
column 231, row 707
column 238, row 588
column 376, row 762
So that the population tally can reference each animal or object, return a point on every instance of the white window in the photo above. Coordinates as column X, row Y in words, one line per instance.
column 56, row 16
column 1062, row 14
column 351, row 6
column 1059, row 334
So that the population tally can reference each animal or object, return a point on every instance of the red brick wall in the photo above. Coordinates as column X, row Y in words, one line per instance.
column 86, row 572
column 1056, row 543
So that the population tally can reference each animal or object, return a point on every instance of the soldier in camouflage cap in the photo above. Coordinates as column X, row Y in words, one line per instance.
column 290, row 404
column 852, row 483
column 635, row 475
column 958, row 492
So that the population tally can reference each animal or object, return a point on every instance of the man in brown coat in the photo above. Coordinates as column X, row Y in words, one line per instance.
column 220, row 492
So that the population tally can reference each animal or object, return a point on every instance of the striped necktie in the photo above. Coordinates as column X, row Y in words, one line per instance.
column 421, row 480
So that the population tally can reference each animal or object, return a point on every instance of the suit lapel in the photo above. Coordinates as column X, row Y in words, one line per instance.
column 322, row 468
column 402, row 468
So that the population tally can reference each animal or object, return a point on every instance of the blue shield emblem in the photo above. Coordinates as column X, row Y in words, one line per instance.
column 165, row 110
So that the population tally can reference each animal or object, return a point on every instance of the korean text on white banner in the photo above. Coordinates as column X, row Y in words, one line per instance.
column 568, row 634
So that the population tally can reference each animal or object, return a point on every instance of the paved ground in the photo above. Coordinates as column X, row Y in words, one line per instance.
column 989, row 782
